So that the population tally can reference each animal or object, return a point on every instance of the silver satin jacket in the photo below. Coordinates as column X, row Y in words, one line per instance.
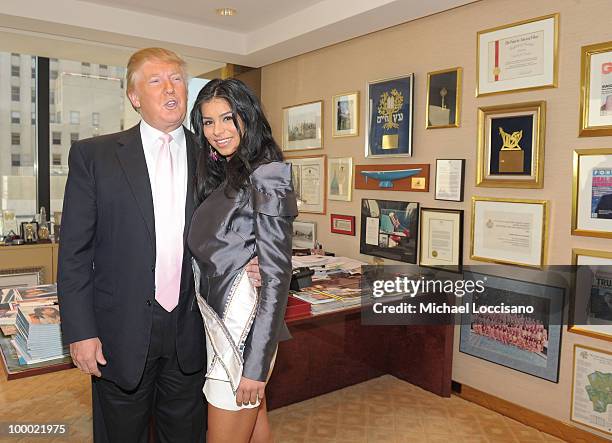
column 227, row 230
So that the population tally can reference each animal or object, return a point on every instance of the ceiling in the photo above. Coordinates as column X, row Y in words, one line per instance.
column 262, row 31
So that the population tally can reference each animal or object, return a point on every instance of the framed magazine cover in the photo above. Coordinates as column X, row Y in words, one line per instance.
column 596, row 90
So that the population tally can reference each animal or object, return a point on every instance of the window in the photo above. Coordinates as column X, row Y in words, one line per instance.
column 58, row 119
column 15, row 93
column 52, row 117
column 33, row 117
column 33, row 100
column 53, row 74
column 15, row 71
column 15, row 138
column 51, row 97
column 56, row 138
column 15, row 117
column 57, row 160
column 15, row 159
column 95, row 119
column 74, row 117
column 33, row 72
column 74, row 137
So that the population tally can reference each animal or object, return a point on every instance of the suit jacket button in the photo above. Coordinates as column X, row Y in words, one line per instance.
column 152, row 268
column 148, row 302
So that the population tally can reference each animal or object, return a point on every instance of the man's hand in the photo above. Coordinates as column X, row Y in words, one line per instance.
column 249, row 391
column 252, row 270
column 86, row 354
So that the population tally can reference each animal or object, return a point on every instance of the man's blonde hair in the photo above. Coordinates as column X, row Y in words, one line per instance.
column 148, row 54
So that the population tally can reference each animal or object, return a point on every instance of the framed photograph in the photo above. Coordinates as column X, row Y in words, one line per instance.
column 596, row 90
column 302, row 126
column 511, row 145
column 441, row 243
column 591, row 388
column 443, row 99
column 308, row 175
column 345, row 110
column 527, row 340
column 18, row 278
column 9, row 223
column 509, row 231
column 340, row 178
column 518, row 57
column 389, row 111
column 396, row 177
column 389, row 229
column 304, row 235
column 29, row 231
column 450, row 179
column 592, row 193
column 343, row 224
column 590, row 311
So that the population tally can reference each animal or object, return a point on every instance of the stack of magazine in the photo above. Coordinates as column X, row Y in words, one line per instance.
column 333, row 294
column 39, row 337
column 12, row 298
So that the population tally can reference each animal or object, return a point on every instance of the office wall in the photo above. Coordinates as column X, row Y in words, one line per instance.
column 443, row 41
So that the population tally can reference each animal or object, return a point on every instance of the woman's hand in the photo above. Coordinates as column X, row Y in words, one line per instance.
column 249, row 391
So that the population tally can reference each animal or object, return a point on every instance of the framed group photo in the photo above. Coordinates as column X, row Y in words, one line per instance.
column 509, row 231
column 304, row 234
column 592, row 193
column 511, row 145
column 303, row 127
column 443, row 99
column 441, row 243
column 389, row 115
column 345, row 115
column 389, row 229
column 308, row 175
column 519, row 56
column 340, row 178
column 596, row 90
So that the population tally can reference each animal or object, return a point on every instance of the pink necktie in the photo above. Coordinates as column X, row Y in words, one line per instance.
column 168, row 235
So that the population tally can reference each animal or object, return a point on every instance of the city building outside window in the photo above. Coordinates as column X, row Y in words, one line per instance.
column 74, row 137
column 15, row 70
column 57, row 159
column 15, row 139
column 15, row 160
column 56, row 138
column 74, row 117
column 15, row 117
column 95, row 119
column 15, row 93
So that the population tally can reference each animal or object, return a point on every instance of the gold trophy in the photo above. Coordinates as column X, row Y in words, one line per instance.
column 388, row 106
column 511, row 156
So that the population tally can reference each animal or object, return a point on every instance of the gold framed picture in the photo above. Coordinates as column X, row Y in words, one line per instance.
column 596, row 90
column 345, row 115
column 590, row 310
column 511, row 145
column 303, row 126
column 441, row 242
column 592, row 193
column 443, row 108
column 518, row 57
column 509, row 231
column 308, row 175
column 340, row 178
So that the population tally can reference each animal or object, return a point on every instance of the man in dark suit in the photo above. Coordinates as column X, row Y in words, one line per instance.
column 125, row 282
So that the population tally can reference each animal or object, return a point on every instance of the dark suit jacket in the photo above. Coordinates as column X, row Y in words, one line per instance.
column 106, row 270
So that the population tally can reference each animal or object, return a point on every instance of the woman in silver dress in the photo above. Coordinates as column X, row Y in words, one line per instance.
column 247, row 209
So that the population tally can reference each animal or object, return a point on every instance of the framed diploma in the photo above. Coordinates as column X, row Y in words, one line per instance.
column 343, row 224
column 308, row 175
column 511, row 145
column 303, row 127
column 443, row 108
column 592, row 193
column 340, row 178
column 345, row 113
column 441, row 243
column 389, row 229
column 304, row 234
column 590, row 311
column 450, row 179
column 509, row 231
column 389, row 111
column 596, row 90
column 591, row 386
column 518, row 57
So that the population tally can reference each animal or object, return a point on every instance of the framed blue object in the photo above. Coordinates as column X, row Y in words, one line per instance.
column 389, row 117
column 525, row 342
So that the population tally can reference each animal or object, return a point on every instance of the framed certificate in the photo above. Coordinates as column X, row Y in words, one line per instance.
column 592, row 193
column 441, row 243
column 596, row 90
column 303, row 127
column 308, row 174
column 450, row 179
column 591, row 388
column 509, row 231
column 340, row 178
column 519, row 56
column 511, row 145
column 389, row 111
column 345, row 113
column 590, row 311
column 443, row 99
column 343, row 224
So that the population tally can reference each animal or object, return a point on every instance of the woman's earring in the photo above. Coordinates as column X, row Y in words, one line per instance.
column 213, row 155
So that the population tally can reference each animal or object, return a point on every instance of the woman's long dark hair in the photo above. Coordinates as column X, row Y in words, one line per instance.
column 257, row 146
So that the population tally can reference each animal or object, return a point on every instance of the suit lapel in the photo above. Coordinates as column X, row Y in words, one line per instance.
column 132, row 159
column 191, row 180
